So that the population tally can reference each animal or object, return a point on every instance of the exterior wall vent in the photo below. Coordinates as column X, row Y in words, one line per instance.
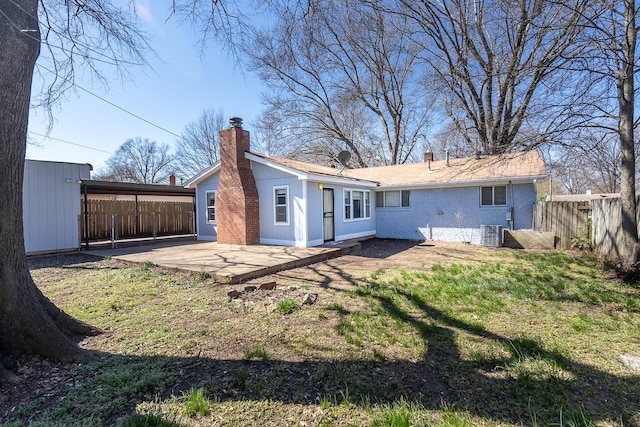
column 491, row 235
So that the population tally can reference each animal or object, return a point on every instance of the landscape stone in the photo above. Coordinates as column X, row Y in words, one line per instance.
column 233, row 294
column 309, row 298
column 267, row 286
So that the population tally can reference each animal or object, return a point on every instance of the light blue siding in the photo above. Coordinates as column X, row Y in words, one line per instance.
column 350, row 229
column 271, row 233
column 454, row 214
column 524, row 197
column 206, row 231
column 314, row 214
column 51, row 205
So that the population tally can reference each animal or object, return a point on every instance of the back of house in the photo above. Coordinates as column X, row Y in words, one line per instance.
column 280, row 201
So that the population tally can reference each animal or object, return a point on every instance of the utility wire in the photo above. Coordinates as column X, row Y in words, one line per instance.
column 91, row 93
column 69, row 142
column 110, row 103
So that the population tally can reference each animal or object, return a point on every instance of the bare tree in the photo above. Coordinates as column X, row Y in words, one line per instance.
column 500, row 68
column 591, row 163
column 199, row 145
column 613, row 59
column 71, row 35
column 329, row 63
column 141, row 161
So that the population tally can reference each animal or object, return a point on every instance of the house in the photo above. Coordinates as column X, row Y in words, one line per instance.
column 51, row 205
column 250, row 198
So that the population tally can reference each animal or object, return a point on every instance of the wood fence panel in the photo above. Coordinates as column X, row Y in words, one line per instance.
column 607, row 230
column 141, row 219
column 607, row 217
column 567, row 220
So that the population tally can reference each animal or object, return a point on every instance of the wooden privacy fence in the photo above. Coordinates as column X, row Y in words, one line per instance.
column 569, row 220
column 607, row 229
column 566, row 220
column 118, row 219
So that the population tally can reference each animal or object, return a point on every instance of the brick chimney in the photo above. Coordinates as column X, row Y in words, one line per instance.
column 172, row 179
column 237, row 197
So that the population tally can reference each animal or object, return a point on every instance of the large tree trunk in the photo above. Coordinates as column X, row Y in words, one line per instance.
column 630, row 250
column 29, row 322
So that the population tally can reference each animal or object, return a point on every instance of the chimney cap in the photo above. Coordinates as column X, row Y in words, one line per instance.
column 236, row 122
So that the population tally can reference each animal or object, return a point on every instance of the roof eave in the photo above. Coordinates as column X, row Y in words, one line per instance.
column 343, row 181
column 202, row 175
column 310, row 176
column 464, row 183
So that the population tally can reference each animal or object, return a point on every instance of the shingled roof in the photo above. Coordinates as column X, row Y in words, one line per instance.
column 524, row 166
column 515, row 167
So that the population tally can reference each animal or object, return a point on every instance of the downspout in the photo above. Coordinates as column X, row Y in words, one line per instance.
column 513, row 211
column 194, row 218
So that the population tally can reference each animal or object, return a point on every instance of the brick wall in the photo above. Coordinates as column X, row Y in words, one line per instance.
column 237, row 203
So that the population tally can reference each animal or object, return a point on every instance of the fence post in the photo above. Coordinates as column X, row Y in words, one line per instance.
column 193, row 225
column 79, row 232
column 155, row 225
column 113, row 231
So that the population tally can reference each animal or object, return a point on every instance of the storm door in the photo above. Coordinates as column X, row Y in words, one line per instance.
column 328, row 224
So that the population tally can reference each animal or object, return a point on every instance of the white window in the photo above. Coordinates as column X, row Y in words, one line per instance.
column 390, row 199
column 357, row 204
column 493, row 196
column 281, row 205
column 211, row 207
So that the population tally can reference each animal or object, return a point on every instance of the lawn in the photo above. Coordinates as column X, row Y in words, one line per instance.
column 459, row 336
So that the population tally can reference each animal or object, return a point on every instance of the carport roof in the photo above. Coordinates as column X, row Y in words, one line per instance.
column 108, row 187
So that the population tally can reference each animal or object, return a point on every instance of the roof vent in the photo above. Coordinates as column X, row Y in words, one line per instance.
column 236, row 122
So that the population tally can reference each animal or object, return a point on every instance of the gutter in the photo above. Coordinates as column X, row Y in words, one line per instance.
column 466, row 183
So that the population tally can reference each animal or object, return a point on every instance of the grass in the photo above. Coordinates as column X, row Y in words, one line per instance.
column 288, row 306
column 517, row 339
column 256, row 353
column 196, row 403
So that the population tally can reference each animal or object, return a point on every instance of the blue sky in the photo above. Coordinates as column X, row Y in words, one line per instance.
column 180, row 84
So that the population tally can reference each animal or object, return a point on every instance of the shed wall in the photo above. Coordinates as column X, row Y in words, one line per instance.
column 51, row 205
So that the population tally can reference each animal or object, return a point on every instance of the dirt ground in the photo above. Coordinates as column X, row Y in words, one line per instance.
column 380, row 254
column 339, row 273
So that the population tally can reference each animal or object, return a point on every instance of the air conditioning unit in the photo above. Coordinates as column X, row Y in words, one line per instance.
column 491, row 235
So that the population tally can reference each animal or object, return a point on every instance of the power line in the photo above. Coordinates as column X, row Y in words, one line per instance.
column 69, row 142
column 110, row 103
column 86, row 90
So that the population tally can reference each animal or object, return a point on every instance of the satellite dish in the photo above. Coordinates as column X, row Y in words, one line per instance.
column 344, row 157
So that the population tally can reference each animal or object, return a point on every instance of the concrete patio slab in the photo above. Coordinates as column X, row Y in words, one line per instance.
column 226, row 263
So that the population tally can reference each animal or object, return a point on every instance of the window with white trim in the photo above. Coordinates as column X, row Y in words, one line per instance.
column 211, row 207
column 357, row 204
column 393, row 199
column 281, row 205
column 495, row 195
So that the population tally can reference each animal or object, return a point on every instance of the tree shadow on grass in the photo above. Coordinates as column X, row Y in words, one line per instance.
column 494, row 389
column 526, row 383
